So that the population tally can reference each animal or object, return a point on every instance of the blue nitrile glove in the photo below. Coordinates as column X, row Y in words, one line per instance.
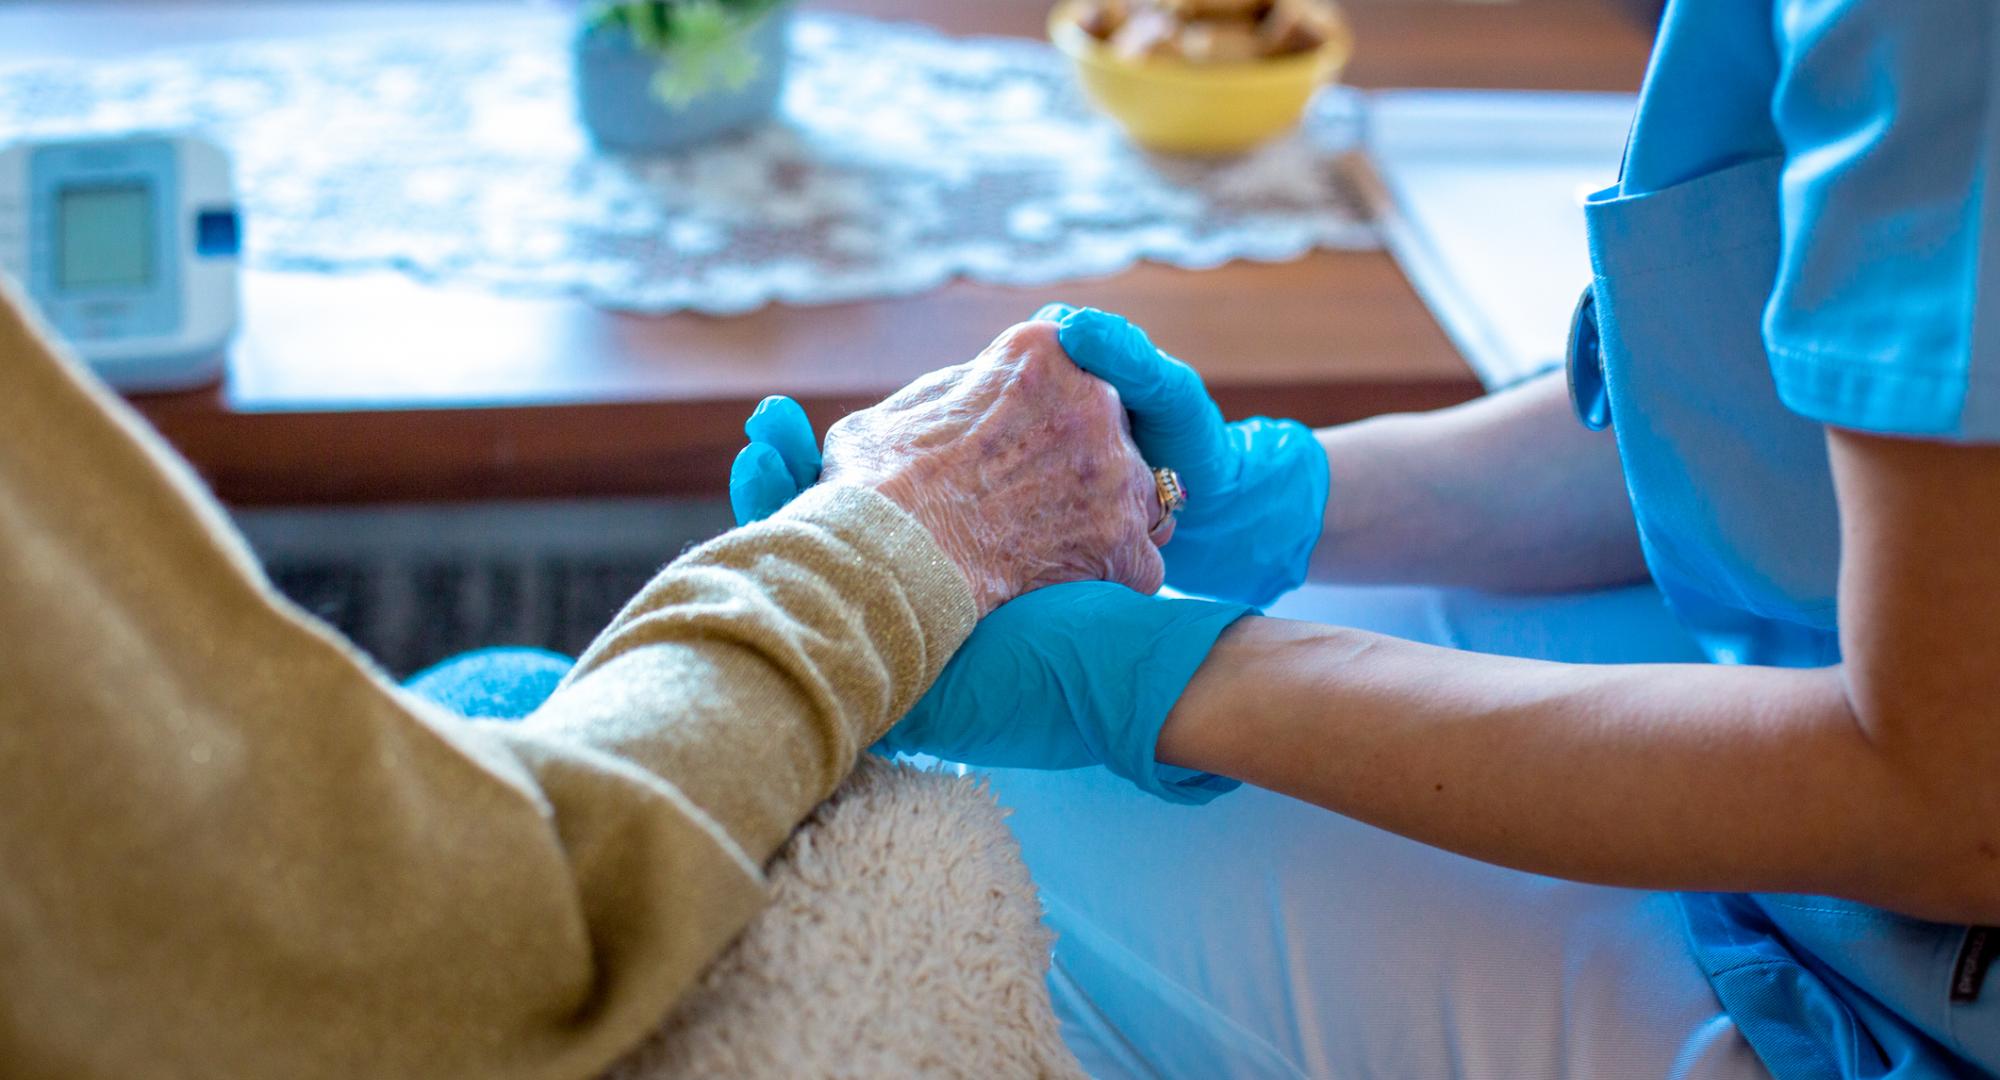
column 1256, row 489
column 1070, row 676
column 781, row 461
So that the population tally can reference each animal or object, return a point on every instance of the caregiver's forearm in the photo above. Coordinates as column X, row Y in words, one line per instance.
column 1655, row 776
column 1507, row 492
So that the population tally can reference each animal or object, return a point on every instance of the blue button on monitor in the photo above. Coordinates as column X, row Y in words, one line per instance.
column 218, row 233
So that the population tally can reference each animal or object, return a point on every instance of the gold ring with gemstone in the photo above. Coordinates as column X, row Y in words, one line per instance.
column 1172, row 493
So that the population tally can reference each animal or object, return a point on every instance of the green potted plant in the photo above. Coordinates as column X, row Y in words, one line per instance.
column 659, row 74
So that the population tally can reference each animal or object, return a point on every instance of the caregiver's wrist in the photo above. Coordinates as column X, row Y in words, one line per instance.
column 1197, row 733
column 1321, row 560
column 1237, row 707
column 1364, row 517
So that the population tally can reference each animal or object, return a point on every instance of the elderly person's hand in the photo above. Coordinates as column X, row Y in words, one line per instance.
column 1078, row 674
column 1257, row 488
column 1018, row 463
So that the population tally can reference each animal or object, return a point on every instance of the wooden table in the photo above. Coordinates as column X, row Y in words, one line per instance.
column 351, row 389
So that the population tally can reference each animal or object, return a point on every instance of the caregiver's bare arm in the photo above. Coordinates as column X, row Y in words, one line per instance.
column 1871, row 780
column 1508, row 492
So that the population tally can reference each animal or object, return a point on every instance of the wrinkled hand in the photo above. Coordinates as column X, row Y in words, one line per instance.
column 1063, row 677
column 1018, row 463
column 1257, row 488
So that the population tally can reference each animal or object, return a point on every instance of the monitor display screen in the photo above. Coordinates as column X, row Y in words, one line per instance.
column 104, row 236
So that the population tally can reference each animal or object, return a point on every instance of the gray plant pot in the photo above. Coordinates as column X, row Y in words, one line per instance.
column 616, row 103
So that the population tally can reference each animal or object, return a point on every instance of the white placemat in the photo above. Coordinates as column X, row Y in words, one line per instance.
column 902, row 158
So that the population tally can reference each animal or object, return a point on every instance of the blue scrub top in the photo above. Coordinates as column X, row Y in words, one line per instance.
column 1796, row 241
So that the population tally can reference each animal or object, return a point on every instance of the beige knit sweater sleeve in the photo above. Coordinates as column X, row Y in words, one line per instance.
column 230, row 848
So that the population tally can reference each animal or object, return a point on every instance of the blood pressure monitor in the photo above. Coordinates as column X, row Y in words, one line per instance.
column 128, row 246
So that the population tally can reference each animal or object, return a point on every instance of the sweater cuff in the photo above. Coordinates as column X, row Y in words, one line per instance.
column 940, row 598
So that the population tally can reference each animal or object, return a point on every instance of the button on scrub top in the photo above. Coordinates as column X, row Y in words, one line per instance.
column 1797, row 239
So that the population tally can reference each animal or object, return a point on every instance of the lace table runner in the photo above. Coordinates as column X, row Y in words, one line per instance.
column 902, row 158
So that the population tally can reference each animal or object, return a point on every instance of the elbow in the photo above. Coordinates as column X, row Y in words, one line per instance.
column 1924, row 856
column 1976, row 899
column 1952, row 887
column 1939, row 849
column 1935, row 852
column 1937, row 820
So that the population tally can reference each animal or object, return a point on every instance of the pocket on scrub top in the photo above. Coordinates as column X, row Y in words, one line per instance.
column 1731, row 489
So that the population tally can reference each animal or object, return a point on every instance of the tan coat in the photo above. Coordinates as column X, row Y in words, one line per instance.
column 230, row 847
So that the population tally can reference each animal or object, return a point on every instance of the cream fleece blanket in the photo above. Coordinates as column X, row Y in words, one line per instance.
column 903, row 939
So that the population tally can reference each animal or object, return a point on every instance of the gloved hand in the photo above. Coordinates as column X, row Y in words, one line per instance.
column 1060, row 678
column 1069, row 676
column 1257, row 489
column 781, row 460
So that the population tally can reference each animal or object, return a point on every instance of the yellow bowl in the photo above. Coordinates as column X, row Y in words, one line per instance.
column 1184, row 107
